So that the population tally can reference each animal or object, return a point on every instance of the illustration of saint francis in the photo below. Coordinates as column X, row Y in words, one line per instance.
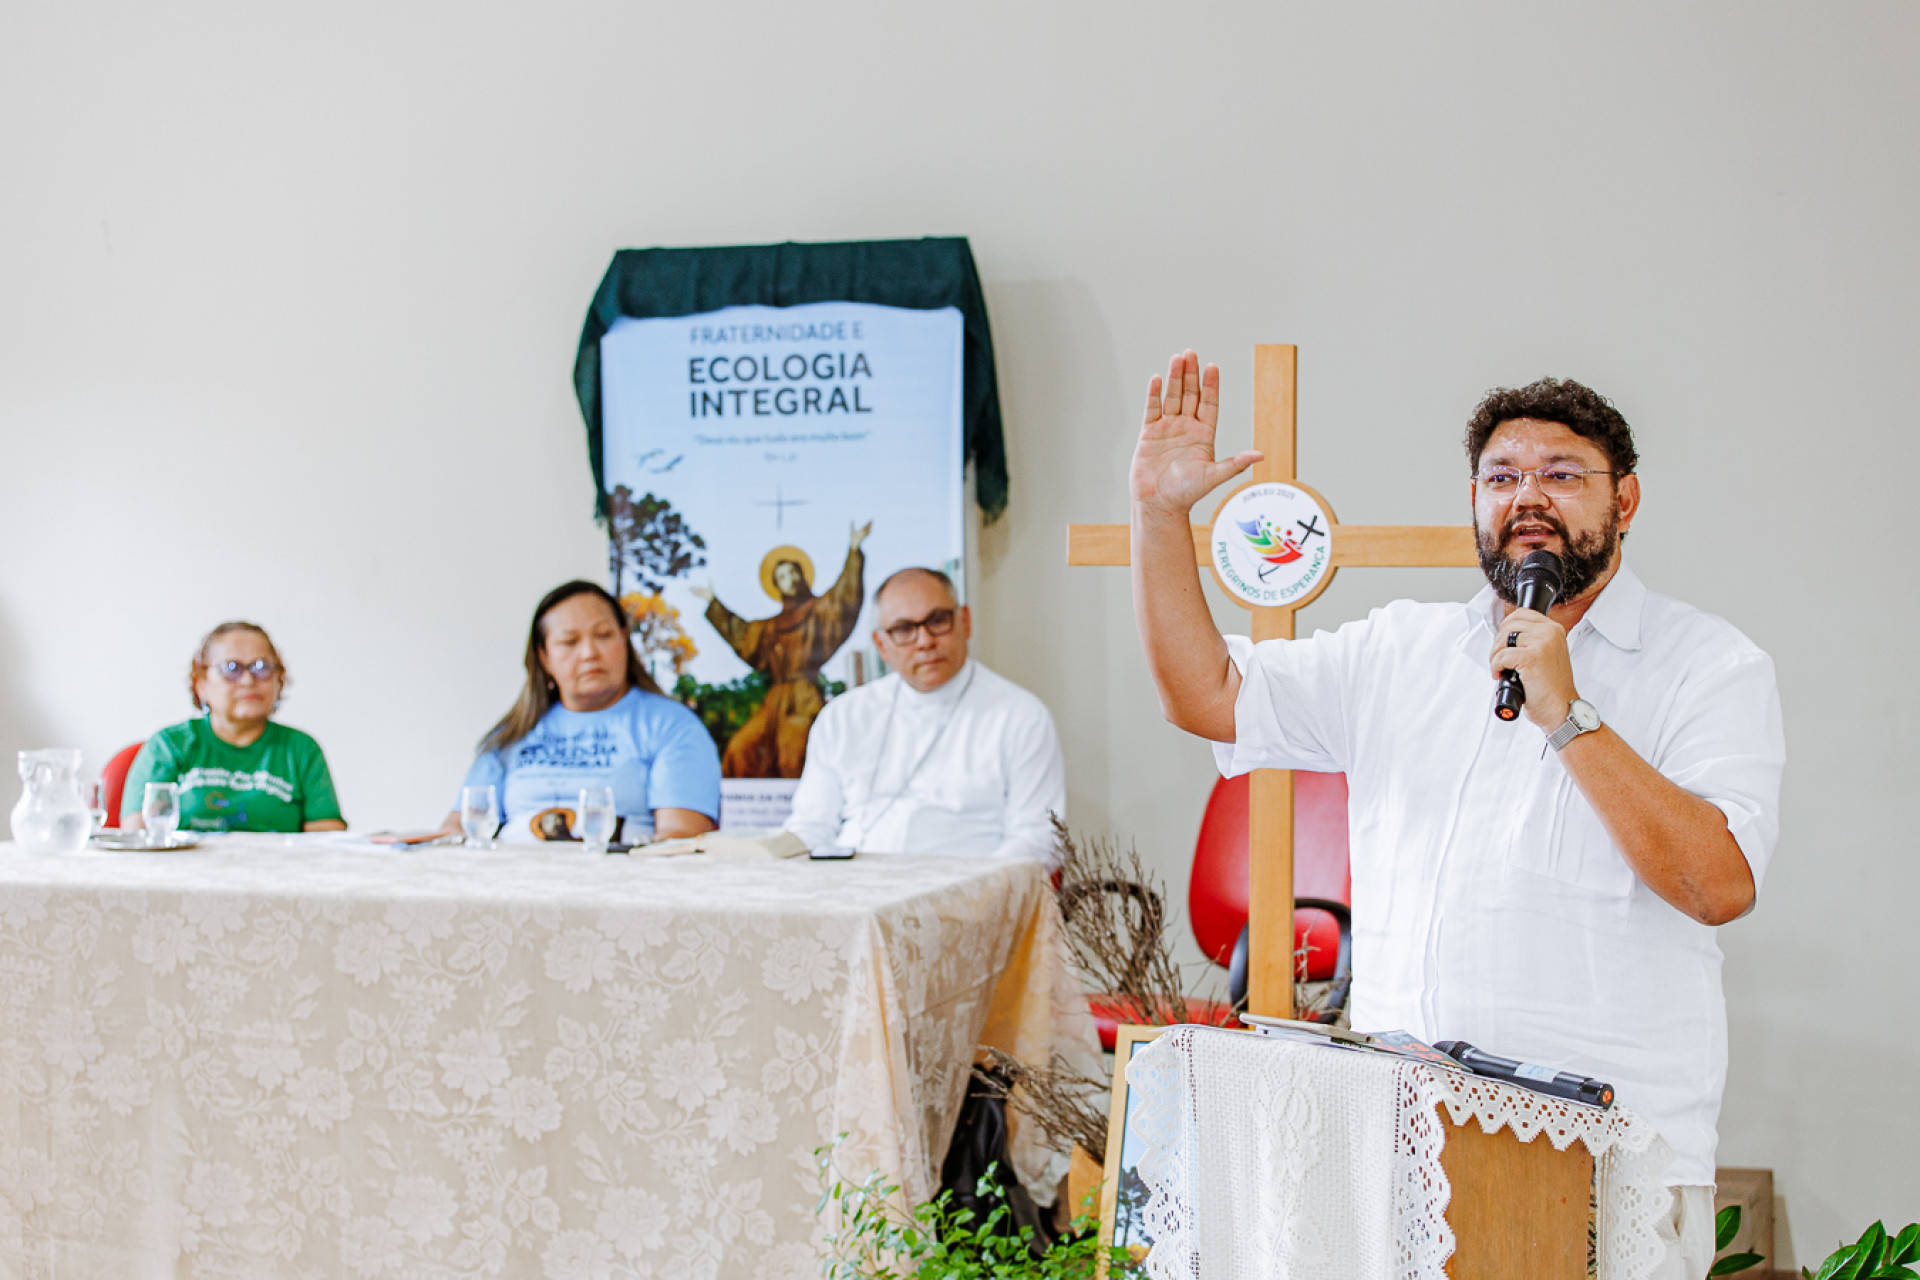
column 789, row 649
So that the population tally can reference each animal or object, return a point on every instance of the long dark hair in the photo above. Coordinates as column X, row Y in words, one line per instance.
column 540, row 693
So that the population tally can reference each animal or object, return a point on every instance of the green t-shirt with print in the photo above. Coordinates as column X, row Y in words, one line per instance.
column 278, row 782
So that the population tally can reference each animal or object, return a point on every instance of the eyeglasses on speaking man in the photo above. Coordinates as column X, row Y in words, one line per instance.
column 1556, row 480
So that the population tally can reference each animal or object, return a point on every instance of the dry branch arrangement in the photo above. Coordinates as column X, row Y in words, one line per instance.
column 1116, row 928
column 1114, row 910
column 1064, row 1105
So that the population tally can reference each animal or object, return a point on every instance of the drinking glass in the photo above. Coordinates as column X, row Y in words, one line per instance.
column 477, row 822
column 160, row 811
column 597, row 817
column 95, row 794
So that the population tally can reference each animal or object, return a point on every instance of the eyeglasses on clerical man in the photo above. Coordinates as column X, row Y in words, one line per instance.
column 937, row 623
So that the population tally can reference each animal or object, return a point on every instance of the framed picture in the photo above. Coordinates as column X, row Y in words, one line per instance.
column 1123, row 1196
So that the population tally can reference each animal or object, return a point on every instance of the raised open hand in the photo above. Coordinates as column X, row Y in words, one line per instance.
column 1173, row 464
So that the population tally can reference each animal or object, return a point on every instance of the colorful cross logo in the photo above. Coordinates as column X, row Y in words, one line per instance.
column 1276, row 547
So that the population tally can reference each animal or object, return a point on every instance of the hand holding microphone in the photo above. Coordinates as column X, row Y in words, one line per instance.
column 1533, row 648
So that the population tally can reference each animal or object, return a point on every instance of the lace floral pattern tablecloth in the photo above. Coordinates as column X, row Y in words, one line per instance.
column 270, row 1058
column 1267, row 1157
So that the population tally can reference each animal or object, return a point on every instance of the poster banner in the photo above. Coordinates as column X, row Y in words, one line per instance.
column 764, row 469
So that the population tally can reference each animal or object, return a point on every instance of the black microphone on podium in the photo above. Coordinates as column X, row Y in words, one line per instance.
column 1561, row 1084
column 1536, row 588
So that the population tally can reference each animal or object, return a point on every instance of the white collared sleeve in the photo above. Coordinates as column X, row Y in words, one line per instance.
column 1036, row 786
column 819, row 800
column 1723, row 741
column 1291, row 713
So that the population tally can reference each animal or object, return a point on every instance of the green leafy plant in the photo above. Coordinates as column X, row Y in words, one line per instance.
column 724, row 708
column 1726, row 1225
column 874, row 1239
column 1874, row 1256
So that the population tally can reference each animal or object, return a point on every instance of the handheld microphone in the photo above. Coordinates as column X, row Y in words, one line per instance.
column 1560, row 1084
column 1537, row 587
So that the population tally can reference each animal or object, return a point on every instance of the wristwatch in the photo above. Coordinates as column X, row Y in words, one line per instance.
column 1581, row 718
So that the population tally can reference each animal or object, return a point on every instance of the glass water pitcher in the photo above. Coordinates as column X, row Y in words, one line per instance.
column 52, row 815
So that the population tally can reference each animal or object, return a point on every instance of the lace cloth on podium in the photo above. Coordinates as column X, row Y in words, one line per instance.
column 1282, row 1158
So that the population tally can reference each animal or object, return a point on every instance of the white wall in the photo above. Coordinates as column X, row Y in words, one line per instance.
column 289, row 297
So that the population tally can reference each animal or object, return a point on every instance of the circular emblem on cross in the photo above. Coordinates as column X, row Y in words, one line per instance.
column 1272, row 544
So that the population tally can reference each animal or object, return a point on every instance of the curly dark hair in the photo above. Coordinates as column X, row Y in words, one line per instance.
column 1581, row 410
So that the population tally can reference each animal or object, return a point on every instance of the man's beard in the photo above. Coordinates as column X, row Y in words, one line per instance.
column 1581, row 563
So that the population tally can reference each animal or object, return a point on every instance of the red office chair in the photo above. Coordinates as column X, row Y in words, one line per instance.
column 115, row 778
column 1218, row 892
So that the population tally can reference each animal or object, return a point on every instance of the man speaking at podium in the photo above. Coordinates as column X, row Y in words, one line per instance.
column 1545, row 888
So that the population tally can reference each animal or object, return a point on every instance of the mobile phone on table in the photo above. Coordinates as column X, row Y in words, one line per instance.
column 830, row 853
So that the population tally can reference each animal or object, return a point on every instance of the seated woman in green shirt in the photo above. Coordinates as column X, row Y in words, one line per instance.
column 237, row 770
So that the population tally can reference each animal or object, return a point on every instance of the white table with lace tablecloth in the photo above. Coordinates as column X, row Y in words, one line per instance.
column 1282, row 1158
column 281, row 1056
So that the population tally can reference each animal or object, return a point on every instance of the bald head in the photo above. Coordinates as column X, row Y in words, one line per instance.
column 929, row 578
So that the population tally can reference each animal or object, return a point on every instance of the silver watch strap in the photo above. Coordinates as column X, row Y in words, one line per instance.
column 1566, row 733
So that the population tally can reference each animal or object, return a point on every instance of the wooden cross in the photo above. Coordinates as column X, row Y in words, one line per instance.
column 1270, row 818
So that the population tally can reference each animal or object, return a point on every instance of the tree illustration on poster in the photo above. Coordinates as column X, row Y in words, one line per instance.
column 752, row 411
column 647, row 537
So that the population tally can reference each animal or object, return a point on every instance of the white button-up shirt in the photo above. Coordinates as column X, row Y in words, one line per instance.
column 971, row 768
column 1489, row 903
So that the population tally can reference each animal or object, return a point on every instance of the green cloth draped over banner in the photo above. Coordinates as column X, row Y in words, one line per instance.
column 921, row 275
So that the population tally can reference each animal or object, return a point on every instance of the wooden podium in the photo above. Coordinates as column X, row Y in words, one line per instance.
column 1520, row 1211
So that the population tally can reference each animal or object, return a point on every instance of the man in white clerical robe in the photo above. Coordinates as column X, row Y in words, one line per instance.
column 1545, row 888
column 939, row 756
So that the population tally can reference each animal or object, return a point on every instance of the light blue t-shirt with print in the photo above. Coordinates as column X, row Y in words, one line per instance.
column 652, row 751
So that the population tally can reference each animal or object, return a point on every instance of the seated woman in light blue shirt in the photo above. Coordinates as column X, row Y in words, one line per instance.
column 590, row 716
